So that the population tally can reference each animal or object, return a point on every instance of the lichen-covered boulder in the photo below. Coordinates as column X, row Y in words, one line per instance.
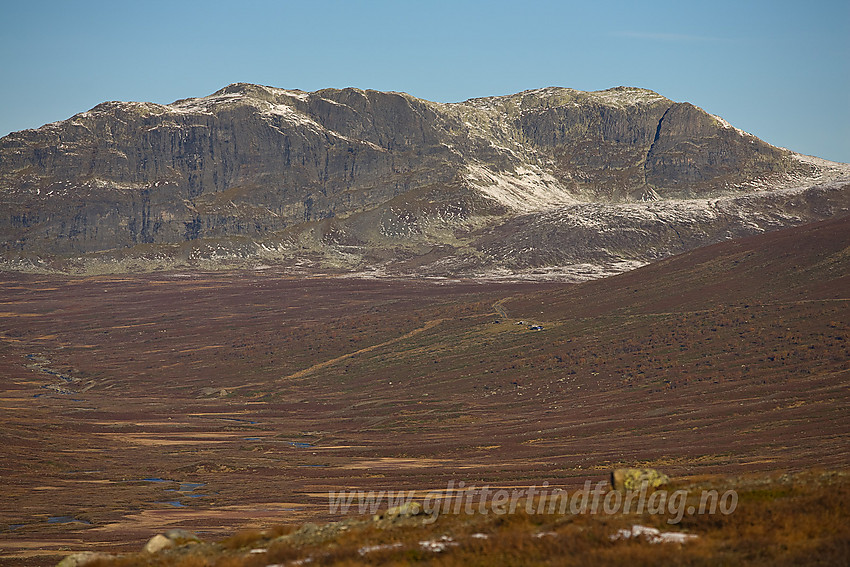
column 404, row 511
column 633, row 479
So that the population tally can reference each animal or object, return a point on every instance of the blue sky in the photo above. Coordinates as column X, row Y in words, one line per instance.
column 778, row 69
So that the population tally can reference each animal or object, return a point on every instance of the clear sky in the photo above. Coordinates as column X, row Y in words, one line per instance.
column 776, row 68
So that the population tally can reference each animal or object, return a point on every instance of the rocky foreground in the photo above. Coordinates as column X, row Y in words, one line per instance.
column 788, row 519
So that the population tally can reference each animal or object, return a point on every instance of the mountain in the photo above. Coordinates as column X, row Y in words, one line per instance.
column 545, row 183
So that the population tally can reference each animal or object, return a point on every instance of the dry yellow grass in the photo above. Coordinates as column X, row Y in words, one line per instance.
column 799, row 520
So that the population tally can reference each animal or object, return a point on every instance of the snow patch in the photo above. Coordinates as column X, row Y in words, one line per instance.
column 300, row 95
column 832, row 168
column 335, row 103
column 725, row 124
column 571, row 273
column 297, row 118
column 381, row 547
column 528, row 189
column 652, row 535
column 439, row 545
column 205, row 104
column 627, row 96
column 292, row 116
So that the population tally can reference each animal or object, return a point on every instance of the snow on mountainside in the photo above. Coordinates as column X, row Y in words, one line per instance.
column 545, row 183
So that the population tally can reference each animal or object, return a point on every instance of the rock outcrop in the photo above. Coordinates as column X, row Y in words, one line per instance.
column 624, row 480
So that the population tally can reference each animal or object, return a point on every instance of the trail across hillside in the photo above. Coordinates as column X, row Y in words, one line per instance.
column 320, row 365
column 500, row 309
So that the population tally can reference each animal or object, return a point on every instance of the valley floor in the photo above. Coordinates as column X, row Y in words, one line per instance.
column 228, row 401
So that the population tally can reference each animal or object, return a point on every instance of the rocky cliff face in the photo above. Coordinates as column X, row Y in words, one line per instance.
column 365, row 180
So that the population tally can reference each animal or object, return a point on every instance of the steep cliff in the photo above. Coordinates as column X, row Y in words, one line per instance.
column 359, row 180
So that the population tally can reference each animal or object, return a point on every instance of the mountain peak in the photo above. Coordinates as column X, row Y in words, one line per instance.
column 351, row 179
column 258, row 91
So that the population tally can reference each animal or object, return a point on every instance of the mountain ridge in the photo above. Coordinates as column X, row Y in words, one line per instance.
column 354, row 181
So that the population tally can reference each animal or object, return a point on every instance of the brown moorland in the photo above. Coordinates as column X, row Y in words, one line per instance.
column 223, row 401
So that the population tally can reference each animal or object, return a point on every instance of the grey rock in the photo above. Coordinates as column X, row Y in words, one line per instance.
column 355, row 180
column 157, row 543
